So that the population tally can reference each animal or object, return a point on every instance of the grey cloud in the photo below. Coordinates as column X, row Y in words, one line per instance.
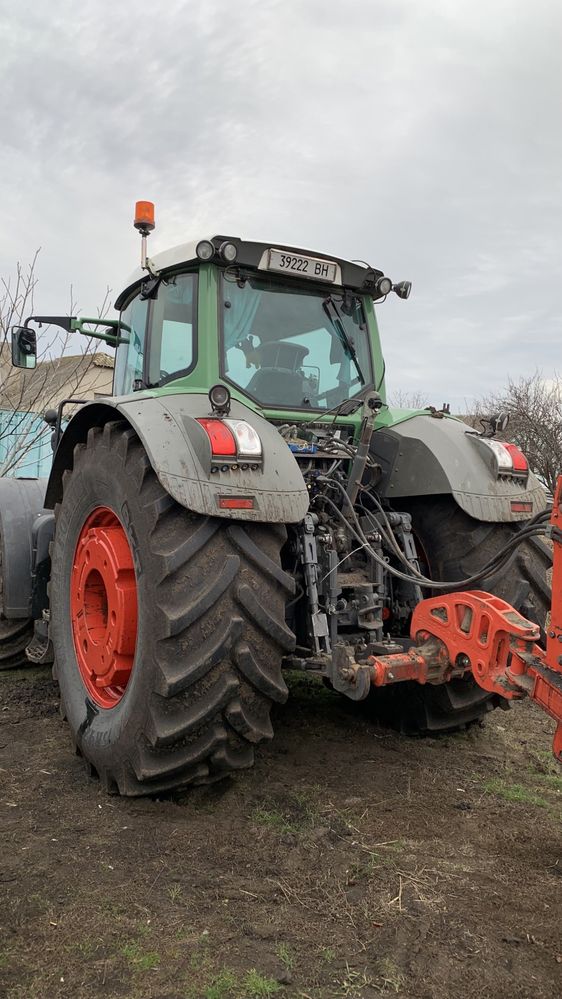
column 422, row 135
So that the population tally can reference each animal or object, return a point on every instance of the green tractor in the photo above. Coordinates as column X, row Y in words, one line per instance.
column 246, row 501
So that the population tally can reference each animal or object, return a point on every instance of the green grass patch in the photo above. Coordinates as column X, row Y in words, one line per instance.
column 273, row 819
column 256, row 986
column 138, row 958
column 226, row 984
column 292, row 813
column 515, row 793
column 222, row 986
column 551, row 780
column 286, row 956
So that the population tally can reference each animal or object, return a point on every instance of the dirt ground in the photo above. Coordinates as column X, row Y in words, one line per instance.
column 350, row 862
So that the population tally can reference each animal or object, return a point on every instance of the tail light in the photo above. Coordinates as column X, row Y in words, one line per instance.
column 510, row 459
column 231, row 438
column 221, row 438
column 247, row 440
column 519, row 461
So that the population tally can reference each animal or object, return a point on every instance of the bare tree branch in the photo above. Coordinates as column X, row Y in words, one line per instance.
column 534, row 405
column 60, row 372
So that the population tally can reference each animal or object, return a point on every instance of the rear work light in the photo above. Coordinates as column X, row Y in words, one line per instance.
column 510, row 459
column 231, row 438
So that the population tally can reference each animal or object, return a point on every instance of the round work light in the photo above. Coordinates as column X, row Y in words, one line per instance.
column 205, row 250
column 219, row 397
column 402, row 289
column 228, row 252
column 383, row 286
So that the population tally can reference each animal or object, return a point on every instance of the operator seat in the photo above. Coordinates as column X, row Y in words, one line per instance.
column 279, row 380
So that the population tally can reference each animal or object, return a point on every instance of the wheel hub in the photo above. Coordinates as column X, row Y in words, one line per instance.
column 103, row 606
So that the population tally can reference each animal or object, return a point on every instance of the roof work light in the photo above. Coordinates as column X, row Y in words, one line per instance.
column 205, row 249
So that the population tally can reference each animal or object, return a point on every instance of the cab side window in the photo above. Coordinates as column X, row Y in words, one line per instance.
column 130, row 352
column 172, row 328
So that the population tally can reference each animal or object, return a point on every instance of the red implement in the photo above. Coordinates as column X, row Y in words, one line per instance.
column 476, row 632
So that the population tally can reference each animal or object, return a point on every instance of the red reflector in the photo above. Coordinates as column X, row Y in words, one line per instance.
column 518, row 458
column 517, row 506
column 221, row 438
column 236, row 503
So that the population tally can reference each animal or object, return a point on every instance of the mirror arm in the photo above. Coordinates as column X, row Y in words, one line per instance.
column 73, row 325
column 77, row 325
column 63, row 321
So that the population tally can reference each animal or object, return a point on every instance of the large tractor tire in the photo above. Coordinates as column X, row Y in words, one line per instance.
column 15, row 635
column 453, row 546
column 20, row 502
column 168, row 627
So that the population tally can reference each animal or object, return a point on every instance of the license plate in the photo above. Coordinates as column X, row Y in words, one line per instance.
column 299, row 266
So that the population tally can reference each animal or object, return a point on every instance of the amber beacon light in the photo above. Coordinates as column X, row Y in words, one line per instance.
column 144, row 223
column 144, row 216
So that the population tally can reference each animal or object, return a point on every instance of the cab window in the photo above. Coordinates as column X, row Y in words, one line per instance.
column 130, row 352
column 294, row 347
column 172, row 329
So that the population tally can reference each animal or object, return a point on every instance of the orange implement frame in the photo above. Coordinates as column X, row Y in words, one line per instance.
column 475, row 632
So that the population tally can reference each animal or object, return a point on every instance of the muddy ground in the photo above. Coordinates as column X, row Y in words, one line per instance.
column 350, row 863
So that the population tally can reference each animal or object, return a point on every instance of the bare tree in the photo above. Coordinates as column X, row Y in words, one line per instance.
column 534, row 406
column 25, row 395
column 407, row 400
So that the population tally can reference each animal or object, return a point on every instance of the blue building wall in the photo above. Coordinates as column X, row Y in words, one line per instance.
column 25, row 445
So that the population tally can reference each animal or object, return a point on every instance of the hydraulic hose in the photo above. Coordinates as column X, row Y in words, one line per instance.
column 413, row 576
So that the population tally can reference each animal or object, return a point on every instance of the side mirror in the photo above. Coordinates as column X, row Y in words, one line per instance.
column 24, row 347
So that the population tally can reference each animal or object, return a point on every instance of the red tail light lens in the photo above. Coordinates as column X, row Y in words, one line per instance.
column 518, row 459
column 221, row 438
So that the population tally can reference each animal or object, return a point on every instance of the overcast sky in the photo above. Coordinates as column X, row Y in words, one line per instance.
column 424, row 136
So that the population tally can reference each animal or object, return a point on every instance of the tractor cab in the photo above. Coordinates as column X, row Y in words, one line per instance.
column 285, row 328
column 281, row 342
column 290, row 331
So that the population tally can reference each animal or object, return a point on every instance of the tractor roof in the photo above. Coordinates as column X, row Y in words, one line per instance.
column 354, row 274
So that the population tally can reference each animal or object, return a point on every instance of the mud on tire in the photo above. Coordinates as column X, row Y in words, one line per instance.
column 455, row 546
column 211, row 628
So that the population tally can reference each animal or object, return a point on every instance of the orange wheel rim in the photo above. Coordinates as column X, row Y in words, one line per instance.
column 103, row 607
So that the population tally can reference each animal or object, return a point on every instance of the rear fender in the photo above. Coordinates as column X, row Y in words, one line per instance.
column 21, row 500
column 428, row 456
column 179, row 452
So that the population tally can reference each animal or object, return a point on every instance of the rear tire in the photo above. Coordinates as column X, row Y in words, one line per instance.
column 211, row 628
column 455, row 546
column 15, row 635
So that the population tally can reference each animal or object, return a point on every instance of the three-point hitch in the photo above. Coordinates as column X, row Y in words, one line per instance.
column 476, row 632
